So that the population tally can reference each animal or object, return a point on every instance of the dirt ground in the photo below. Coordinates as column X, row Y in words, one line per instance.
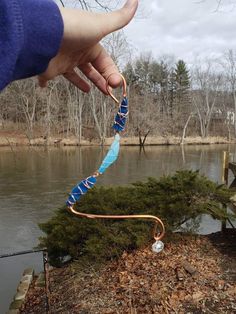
column 192, row 275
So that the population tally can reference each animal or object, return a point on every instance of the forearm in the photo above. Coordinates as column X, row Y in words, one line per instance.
column 30, row 36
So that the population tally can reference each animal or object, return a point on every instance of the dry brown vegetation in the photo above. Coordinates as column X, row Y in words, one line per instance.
column 192, row 275
column 17, row 138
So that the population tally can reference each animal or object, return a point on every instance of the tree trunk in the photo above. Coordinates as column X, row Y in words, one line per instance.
column 142, row 141
column 185, row 128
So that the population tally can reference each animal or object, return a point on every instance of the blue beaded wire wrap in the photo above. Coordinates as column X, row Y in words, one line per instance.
column 121, row 116
column 80, row 190
column 112, row 155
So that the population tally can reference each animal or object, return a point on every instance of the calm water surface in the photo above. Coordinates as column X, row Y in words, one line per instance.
column 34, row 182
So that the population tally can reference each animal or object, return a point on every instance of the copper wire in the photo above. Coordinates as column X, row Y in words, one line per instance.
column 156, row 235
column 109, row 88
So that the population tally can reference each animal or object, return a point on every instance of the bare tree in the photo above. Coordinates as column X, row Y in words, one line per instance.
column 185, row 128
column 106, row 5
column 229, row 65
column 75, row 101
column 205, row 87
column 28, row 100
column 63, row 110
column 118, row 48
column 219, row 4
column 101, row 113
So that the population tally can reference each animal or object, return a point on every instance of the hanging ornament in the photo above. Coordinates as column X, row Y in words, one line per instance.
column 82, row 187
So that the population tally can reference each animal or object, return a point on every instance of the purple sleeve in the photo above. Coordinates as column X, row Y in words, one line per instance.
column 30, row 35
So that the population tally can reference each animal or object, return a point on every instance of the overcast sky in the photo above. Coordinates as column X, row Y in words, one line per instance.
column 186, row 28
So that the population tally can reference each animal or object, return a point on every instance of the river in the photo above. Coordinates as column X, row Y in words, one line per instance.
column 35, row 181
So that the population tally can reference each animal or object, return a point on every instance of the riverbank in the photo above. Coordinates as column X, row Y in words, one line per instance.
column 16, row 138
column 191, row 275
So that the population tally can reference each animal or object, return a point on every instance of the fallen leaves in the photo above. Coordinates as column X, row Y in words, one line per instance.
column 187, row 277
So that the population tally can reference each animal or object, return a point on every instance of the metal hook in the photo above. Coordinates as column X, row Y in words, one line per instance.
column 124, row 87
column 158, row 222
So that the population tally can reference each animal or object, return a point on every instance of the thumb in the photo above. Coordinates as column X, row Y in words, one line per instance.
column 88, row 28
column 116, row 20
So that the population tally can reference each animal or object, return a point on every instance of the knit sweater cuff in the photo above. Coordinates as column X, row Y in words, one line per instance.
column 42, row 35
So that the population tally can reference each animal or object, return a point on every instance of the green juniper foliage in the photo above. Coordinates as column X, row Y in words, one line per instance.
column 175, row 199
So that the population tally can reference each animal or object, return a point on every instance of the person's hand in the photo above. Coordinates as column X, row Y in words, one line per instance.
column 80, row 47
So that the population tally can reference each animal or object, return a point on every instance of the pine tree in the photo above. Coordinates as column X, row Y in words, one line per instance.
column 181, row 87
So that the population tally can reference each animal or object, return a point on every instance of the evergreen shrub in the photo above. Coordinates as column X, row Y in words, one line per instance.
column 175, row 199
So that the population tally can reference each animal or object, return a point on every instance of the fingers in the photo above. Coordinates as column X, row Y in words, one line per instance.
column 100, row 68
column 104, row 65
column 92, row 74
column 75, row 79
column 101, row 81
column 97, row 66
column 82, row 32
column 42, row 81
column 71, row 76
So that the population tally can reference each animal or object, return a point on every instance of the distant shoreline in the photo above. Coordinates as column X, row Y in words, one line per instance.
column 14, row 139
